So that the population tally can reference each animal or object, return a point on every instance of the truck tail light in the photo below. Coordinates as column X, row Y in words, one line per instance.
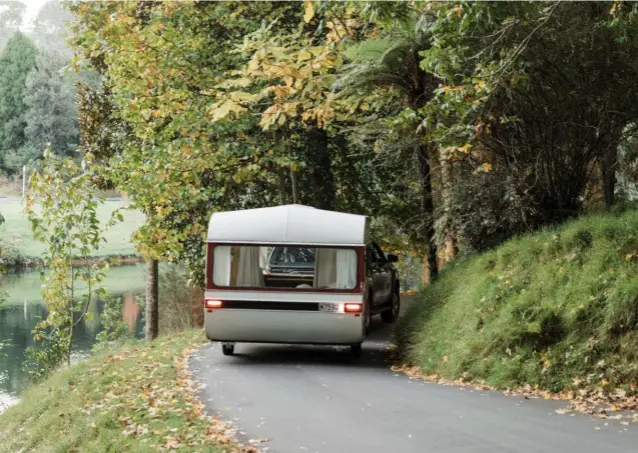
column 353, row 307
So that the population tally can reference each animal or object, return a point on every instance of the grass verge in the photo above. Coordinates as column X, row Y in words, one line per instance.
column 556, row 310
column 137, row 399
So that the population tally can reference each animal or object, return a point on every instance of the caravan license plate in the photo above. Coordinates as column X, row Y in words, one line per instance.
column 326, row 306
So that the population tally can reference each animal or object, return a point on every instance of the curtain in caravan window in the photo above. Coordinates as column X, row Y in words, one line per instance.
column 346, row 268
column 325, row 268
column 336, row 268
column 221, row 265
column 263, row 257
column 248, row 270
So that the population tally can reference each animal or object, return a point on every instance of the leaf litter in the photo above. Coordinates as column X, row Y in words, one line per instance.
column 598, row 402
column 147, row 404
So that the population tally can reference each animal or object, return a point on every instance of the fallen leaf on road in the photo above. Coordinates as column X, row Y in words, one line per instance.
column 593, row 401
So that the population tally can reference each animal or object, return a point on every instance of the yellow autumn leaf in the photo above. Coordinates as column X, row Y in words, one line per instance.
column 280, row 91
column 485, row 168
column 241, row 96
column 304, row 55
column 223, row 110
column 465, row 148
column 309, row 12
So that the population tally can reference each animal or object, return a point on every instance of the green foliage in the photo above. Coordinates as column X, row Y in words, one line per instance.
column 522, row 72
column 51, row 117
column 41, row 361
column 10, row 255
column 3, row 344
column 62, row 210
column 16, row 60
column 452, row 124
column 114, row 329
column 555, row 309
column 2, row 293
column 177, row 295
column 154, row 137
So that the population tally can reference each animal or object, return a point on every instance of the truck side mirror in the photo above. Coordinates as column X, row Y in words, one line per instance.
column 392, row 258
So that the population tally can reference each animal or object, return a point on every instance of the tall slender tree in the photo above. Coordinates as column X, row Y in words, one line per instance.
column 51, row 115
column 17, row 59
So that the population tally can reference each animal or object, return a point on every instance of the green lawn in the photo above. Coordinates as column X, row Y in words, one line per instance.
column 16, row 230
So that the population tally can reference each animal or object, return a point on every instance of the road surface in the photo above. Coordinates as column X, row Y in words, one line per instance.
column 312, row 399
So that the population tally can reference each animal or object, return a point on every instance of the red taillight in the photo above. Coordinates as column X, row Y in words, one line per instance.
column 352, row 307
column 213, row 303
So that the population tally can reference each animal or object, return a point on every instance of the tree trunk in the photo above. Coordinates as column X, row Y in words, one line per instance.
column 427, row 212
column 608, row 168
column 283, row 195
column 446, row 199
column 152, row 299
column 197, row 314
column 320, row 164
column 425, row 273
column 293, row 183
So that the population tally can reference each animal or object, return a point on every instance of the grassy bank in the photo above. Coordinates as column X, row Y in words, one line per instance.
column 557, row 310
column 136, row 399
column 20, row 247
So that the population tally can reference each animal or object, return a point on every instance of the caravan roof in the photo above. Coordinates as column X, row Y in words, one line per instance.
column 290, row 224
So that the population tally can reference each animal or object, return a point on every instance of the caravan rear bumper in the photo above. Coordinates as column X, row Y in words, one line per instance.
column 286, row 326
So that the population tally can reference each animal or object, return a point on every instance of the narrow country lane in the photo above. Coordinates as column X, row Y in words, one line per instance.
column 312, row 399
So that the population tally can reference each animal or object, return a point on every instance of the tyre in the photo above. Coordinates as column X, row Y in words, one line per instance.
column 355, row 350
column 367, row 318
column 228, row 348
column 392, row 314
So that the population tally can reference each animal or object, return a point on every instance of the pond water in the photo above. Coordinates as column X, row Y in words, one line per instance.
column 23, row 309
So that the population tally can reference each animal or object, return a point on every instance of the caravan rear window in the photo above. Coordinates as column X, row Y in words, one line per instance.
column 284, row 267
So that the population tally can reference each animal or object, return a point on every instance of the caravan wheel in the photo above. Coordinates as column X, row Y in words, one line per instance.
column 228, row 348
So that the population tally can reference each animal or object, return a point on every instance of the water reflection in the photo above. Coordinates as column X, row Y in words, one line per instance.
column 23, row 310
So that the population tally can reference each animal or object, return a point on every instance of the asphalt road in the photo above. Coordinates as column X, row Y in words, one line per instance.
column 312, row 399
